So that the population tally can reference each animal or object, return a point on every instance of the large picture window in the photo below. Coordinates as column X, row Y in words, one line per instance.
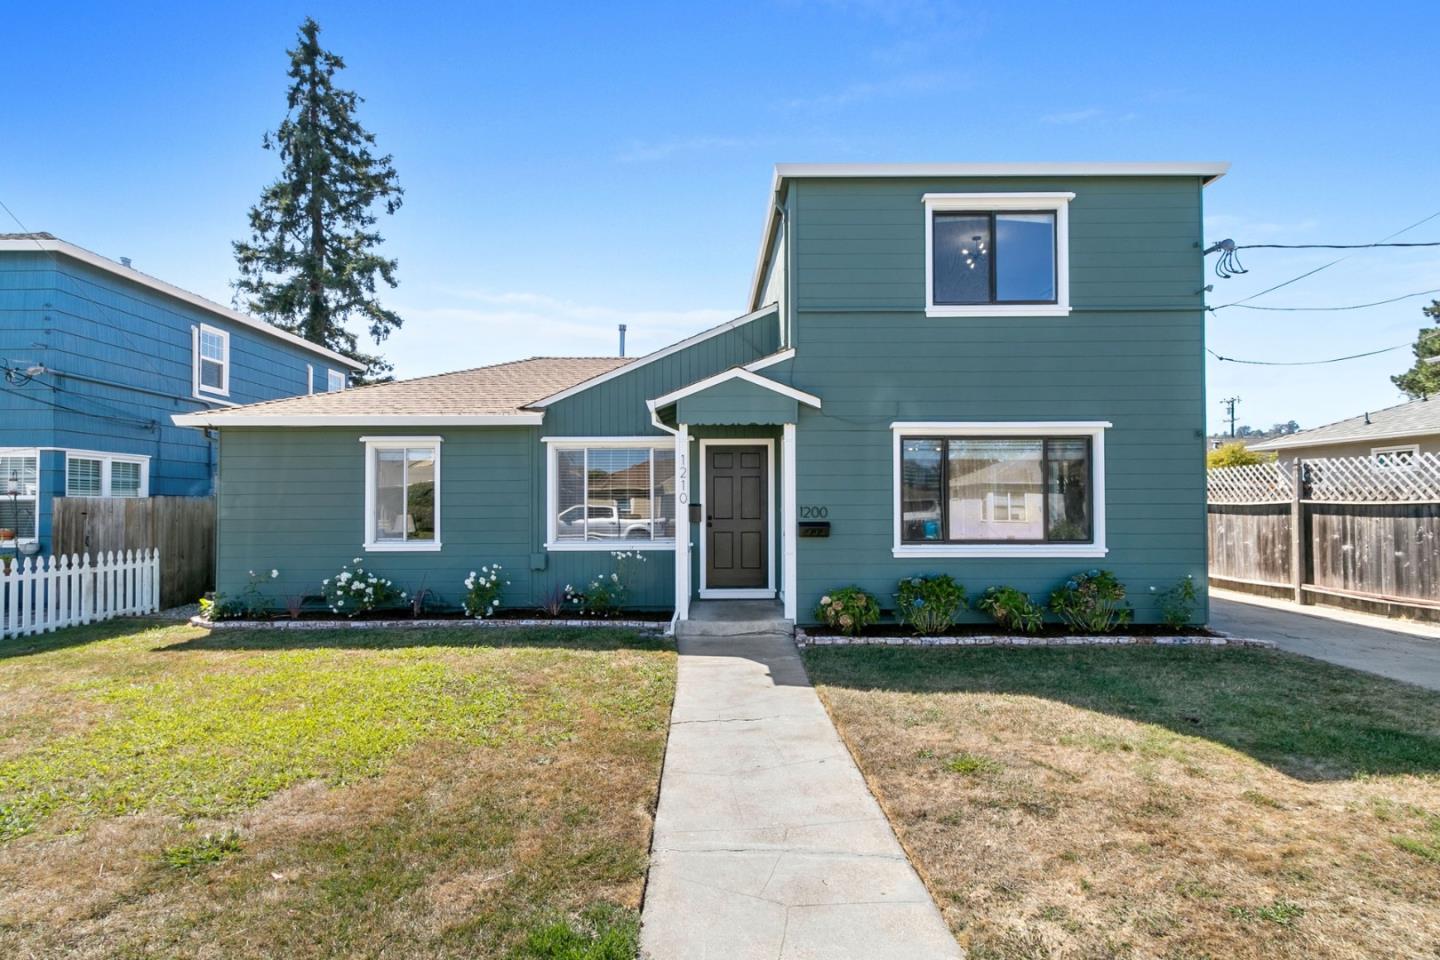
column 997, row 254
column 1020, row 488
column 402, row 493
column 19, row 494
column 606, row 493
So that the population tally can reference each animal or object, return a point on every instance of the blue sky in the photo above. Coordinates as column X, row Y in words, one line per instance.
column 571, row 166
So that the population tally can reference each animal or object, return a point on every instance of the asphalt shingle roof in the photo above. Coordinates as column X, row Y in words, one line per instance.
column 498, row 390
column 1416, row 418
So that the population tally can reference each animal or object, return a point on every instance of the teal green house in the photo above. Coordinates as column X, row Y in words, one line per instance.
column 994, row 371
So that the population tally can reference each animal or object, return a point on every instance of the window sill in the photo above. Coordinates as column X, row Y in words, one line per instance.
column 425, row 547
column 1056, row 550
column 597, row 546
column 1000, row 310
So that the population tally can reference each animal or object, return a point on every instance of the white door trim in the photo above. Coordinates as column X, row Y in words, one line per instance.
column 720, row 593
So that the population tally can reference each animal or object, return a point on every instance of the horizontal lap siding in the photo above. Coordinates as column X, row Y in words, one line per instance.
column 1131, row 353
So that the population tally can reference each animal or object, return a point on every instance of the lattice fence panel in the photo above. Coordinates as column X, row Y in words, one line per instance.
column 1367, row 480
column 1253, row 483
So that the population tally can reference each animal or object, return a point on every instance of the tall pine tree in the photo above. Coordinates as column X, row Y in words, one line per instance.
column 311, row 264
column 1423, row 379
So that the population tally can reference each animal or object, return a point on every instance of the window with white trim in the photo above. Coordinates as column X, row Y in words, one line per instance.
column 212, row 360
column 1398, row 456
column 997, row 254
column 335, row 380
column 402, row 493
column 19, row 496
column 105, row 475
column 999, row 489
column 608, row 493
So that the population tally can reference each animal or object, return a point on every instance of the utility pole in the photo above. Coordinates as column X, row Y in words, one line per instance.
column 1229, row 404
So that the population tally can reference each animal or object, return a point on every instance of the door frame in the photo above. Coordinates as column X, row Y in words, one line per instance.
column 741, row 593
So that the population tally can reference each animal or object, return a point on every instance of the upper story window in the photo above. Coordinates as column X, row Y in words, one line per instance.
column 19, row 494
column 212, row 360
column 105, row 475
column 602, row 492
column 402, row 493
column 334, row 380
column 997, row 254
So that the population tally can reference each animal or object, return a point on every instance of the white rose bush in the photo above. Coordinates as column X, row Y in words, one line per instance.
column 606, row 595
column 354, row 591
column 483, row 590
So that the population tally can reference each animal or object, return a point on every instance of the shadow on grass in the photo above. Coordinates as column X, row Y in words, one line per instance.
column 596, row 638
column 78, row 636
column 1308, row 719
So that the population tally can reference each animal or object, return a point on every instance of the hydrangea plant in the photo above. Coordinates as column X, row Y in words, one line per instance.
column 1012, row 609
column 483, row 590
column 929, row 605
column 849, row 610
column 1177, row 603
column 1091, row 602
column 354, row 591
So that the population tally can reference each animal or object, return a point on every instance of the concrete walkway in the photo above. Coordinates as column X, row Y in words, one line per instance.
column 768, row 844
column 1350, row 640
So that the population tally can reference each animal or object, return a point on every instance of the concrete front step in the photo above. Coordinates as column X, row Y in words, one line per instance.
column 733, row 628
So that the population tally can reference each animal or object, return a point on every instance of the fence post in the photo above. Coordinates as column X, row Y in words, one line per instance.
column 1299, row 543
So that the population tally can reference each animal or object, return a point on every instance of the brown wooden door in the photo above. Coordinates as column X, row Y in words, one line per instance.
column 737, row 553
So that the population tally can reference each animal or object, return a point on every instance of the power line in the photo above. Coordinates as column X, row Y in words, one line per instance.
column 1330, row 246
column 1305, row 363
column 1353, row 306
column 1326, row 266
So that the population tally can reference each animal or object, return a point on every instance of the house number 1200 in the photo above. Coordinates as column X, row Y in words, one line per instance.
column 814, row 513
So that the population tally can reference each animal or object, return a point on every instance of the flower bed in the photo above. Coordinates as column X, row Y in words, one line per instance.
column 804, row 638
column 379, row 623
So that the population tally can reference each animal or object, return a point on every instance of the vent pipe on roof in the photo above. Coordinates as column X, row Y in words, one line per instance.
column 622, row 340
column 124, row 261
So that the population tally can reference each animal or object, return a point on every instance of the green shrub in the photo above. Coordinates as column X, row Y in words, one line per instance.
column 1012, row 609
column 483, row 591
column 211, row 848
column 353, row 592
column 1177, row 603
column 1091, row 602
column 849, row 610
column 607, row 595
column 929, row 605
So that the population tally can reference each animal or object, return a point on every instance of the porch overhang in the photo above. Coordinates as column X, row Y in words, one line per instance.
column 734, row 397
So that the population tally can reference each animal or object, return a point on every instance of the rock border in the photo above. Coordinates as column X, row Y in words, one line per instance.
column 656, row 626
column 803, row 640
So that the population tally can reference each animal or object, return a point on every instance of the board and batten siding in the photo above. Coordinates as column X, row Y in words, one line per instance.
column 294, row 499
column 1131, row 352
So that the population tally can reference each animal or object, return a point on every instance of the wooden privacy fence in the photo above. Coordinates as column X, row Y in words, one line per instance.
column 1344, row 527
column 38, row 595
column 182, row 529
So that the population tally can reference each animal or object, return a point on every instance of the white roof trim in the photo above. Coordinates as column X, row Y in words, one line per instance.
column 1292, row 441
column 203, row 419
column 30, row 245
column 736, row 373
column 1208, row 171
column 771, row 360
column 660, row 354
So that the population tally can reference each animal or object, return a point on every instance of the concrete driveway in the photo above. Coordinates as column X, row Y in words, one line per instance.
column 1408, row 653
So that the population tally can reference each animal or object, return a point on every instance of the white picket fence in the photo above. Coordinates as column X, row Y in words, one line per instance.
column 38, row 595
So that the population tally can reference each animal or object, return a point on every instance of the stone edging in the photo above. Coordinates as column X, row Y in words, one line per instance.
column 803, row 639
column 647, row 625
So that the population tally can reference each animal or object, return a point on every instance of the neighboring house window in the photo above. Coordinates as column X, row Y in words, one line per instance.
column 997, row 254
column 19, row 495
column 611, row 494
column 335, row 380
column 212, row 360
column 402, row 493
column 105, row 475
column 999, row 489
column 1401, row 456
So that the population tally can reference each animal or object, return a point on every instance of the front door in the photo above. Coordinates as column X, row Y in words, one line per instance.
column 737, row 554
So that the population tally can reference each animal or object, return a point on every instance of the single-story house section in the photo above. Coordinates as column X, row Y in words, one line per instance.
column 1395, row 434
column 991, row 371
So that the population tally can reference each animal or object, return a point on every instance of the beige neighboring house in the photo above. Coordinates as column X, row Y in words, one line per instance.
column 1392, row 435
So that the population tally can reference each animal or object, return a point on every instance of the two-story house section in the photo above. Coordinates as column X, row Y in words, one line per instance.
column 95, row 359
column 991, row 371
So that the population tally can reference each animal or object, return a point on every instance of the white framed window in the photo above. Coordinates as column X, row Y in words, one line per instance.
column 1398, row 456
column 212, row 360
column 335, row 380
column 91, row 474
column 402, row 493
column 997, row 254
column 19, row 495
column 999, row 489
column 609, row 493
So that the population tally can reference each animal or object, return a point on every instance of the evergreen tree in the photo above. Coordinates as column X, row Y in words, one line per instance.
column 311, row 263
column 1423, row 379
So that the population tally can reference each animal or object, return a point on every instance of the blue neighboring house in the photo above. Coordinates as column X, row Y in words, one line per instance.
column 95, row 359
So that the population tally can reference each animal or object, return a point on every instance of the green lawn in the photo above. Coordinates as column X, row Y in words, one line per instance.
column 165, row 791
column 1150, row 802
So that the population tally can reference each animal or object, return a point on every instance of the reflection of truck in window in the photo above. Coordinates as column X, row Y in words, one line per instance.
column 603, row 522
